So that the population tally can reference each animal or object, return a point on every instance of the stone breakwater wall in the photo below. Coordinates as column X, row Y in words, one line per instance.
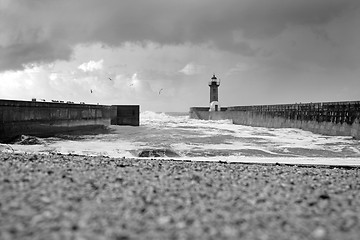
column 125, row 115
column 48, row 118
column 330, row 118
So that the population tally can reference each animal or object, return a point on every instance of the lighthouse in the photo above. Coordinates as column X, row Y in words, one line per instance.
column 214, row 94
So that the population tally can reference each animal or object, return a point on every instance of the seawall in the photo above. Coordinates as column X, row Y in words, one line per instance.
column 48, row 118
column 125, row 115
column 330, row 118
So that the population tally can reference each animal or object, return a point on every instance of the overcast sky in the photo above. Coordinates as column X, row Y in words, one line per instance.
column 126, row 51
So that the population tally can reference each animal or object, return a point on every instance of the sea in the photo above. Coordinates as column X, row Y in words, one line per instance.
column 175, row 136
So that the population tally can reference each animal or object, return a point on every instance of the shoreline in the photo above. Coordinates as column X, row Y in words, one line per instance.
column 84, row 197
column 329, row 162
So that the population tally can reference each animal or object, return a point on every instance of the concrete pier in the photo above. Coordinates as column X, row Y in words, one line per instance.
column 48, row 118
column 125, row 115
column 328, row 118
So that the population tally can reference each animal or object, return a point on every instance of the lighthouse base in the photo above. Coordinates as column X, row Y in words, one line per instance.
column 214, row 106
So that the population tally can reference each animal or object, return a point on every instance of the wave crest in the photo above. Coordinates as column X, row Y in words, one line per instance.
column 154, row 118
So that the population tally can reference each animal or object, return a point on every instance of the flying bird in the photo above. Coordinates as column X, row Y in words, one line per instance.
column 91, row 90
column 110, row 79
column 160, row 91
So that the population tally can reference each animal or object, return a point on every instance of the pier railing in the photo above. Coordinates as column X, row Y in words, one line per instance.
column 336, row 112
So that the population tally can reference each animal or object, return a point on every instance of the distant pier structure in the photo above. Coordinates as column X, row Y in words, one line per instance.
column 328, row 118
column 214, row 84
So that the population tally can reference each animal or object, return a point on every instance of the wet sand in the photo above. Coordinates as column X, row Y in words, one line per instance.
column 76, row 197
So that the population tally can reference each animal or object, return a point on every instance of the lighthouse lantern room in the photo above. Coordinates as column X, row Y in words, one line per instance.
column 214, row 93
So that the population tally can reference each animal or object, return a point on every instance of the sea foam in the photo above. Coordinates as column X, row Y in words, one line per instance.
column 192, row 139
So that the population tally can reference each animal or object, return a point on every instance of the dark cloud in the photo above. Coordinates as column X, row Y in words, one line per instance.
column 18, row 55
column 263, row 19
column 47, row 30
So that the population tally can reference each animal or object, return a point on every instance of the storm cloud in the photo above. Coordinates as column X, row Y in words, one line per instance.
column 43, row 31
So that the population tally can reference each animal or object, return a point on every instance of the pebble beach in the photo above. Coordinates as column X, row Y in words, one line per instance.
column 82, row 197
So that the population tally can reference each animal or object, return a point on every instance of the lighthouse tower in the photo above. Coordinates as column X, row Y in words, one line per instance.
column 214, row 94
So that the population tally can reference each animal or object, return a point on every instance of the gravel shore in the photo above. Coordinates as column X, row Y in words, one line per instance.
column 77, row 197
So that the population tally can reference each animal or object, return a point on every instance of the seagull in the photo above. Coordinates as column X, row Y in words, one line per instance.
column 160, row 91
column 110, row 79
column 91, row 90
